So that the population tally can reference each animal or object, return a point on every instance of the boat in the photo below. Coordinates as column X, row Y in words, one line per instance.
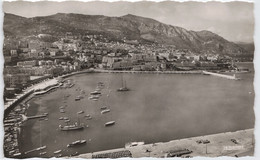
column 77, row 98
column 72, row 127
column 65, row 118
column 62, row 111
column 110, row 123
column 56, row 152
column 67, row 121
column 105, row 111
column 132, row 144
column 101, row 83
column 104, row 107
column 78, row 142
column 89, row 118
column 124, row 87
column 61, row 118
column 92, row 97
column 42, row 153
column 40, row 148
column 80, row 112
column 74, row 154
column 88, row 115
column 95, row 93
column 59, row 155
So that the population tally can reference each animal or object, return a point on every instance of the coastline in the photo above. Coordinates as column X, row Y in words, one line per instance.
column 220, row 144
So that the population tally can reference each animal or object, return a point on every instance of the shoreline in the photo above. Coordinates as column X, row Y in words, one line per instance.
column 220, row 144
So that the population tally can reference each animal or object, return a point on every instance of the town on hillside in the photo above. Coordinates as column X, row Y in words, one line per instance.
column 31, row 59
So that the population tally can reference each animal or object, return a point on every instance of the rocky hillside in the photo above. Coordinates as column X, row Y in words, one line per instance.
column 130, row 27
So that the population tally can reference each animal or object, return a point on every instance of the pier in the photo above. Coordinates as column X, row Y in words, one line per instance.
column 221, row 75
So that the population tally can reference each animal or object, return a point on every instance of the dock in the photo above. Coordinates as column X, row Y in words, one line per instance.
column 221, row 144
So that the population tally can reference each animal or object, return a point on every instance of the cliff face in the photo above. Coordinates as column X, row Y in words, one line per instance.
column 129, row 26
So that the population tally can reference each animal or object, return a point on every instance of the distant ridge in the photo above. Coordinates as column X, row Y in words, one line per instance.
column 129, row 26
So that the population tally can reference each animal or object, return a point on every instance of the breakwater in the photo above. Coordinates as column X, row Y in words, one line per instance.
column 221, row 75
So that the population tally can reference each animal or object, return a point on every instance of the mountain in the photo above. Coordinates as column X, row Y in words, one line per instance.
column 129, row 26
column 249, row 47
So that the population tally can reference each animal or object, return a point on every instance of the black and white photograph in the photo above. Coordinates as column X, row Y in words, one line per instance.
column 128, row 79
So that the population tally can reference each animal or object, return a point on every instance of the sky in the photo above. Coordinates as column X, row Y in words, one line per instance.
column 233, row 20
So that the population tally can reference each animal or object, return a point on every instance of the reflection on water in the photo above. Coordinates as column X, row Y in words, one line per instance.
column 158, row 108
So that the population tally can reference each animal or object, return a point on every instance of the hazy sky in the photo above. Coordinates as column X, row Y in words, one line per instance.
column 233, row 20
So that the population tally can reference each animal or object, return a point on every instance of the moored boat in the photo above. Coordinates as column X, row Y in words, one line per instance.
column 80, row 112
column 72, row 127
column 110, row 123
column 56, row 152
column 42, row 153
column 105, row 111
column 95, row 93
column 78, row 142
column 103, row 107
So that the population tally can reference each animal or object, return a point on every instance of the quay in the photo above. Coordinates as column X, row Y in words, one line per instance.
column 147, row 72
column 221, row 75
column 235, row 144
column 27, row 92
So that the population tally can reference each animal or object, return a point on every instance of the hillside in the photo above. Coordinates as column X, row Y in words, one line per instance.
column 129, row 26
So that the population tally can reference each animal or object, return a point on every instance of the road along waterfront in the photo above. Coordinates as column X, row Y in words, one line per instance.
column 221, row 144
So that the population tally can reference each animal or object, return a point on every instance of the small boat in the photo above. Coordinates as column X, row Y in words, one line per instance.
column 132, row 144
column 74, row 154
column 94, row 98
column 78, row 142
column 61, row 118
column 72, row 127
column 67, row 121
column 59, row 155
column 71, row 85
column 104, row 107
column 17, row 154
column 80, row 112
column 61, row 107
column 124, row 87
column 88, row 115
column 62, row 111
column 65, row 118
column 110, row 123
column 77, row 98
column 105, row 111
column 95, row 93
column 42, row 153
column 89, row 118
column 100, row 83
column 56, row 152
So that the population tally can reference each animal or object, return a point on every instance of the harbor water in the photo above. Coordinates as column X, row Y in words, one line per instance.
column 158, row 108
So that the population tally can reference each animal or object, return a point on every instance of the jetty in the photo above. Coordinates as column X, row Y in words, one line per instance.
column 221, row 75
column 24, row 117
